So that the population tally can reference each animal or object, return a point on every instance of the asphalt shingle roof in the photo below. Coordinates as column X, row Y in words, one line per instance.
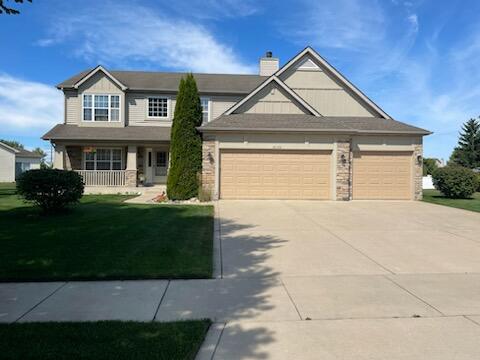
column 303, row 122
column 166, row 81
column 128, row 133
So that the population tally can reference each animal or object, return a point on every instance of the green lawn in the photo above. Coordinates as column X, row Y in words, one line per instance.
column 102, row 340
column 104, row 238
column 435, row 197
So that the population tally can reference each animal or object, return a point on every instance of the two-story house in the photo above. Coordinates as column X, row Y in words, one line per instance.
column 302, row 131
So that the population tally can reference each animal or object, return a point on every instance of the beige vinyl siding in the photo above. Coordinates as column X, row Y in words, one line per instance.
column 7, row 165
column 270, row 100
column 137, row 105
column 324, row 94
column 100, row 84
column 72, row 107
column 382, row 175
column 274, row 174
column 220, row 104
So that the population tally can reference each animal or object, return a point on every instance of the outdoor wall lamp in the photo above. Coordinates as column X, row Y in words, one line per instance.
column 343, row 159
column 419, row 159
column 210, row 157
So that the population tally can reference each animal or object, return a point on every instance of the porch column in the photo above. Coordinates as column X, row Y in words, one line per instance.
column 59, row 157
column 131, row 169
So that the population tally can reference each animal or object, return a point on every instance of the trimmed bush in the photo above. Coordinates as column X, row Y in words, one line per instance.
column 186, row 143
column 455, row 182
column 51, row 189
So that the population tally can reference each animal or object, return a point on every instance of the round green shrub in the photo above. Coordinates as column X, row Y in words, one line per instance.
column 51, row 189
column 455, row 181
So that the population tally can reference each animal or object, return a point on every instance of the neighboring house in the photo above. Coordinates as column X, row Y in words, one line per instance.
column 13, row 162
column 299, row 132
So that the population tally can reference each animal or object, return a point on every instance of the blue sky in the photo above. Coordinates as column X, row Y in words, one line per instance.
column 419, row 60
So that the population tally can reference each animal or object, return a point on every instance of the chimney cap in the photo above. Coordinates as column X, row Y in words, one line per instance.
column 268, row 54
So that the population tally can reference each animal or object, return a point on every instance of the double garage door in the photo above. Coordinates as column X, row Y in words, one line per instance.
column 289, row 174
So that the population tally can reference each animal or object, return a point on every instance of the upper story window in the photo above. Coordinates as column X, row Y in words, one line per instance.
column 101, row 107
column 205, row 109
column 158, row 107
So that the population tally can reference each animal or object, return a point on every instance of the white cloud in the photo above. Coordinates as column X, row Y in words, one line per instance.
column 28, row 108
column 217, row 9
column 122, row 35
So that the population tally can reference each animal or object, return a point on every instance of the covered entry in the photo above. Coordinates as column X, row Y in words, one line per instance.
column 385, row 175
column 275, row 174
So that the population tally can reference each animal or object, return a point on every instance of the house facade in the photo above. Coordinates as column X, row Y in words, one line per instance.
column 14, row 162
column 301, row 131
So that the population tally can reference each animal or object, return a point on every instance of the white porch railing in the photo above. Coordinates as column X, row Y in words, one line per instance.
column 103, row 177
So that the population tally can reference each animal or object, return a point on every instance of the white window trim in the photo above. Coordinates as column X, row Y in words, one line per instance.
column 209, row 117
column 169, row 107
column 109, row 108
column 122, row 165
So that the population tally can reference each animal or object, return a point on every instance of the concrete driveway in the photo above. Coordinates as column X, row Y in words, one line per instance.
column 334, row 280
column 305, row 280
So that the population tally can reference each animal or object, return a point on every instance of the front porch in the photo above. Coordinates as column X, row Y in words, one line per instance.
column 113, row 166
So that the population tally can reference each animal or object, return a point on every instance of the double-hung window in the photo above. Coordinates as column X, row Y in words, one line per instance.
column 205, row 102
column 158, row 107
column 103, row 159
column 101, row 107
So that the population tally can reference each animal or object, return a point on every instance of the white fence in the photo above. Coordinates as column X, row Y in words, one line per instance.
column 427, row 182
column 103, row 177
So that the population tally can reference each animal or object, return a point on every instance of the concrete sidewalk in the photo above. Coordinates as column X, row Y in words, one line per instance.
column 327, row 317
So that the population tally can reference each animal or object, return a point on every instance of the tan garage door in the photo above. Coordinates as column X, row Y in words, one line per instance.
column 276, row 174
column 382, row 175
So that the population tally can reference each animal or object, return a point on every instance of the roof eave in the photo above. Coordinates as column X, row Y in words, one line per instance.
column 343, row 131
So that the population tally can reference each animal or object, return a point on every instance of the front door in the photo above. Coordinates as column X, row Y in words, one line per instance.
column 160, row 166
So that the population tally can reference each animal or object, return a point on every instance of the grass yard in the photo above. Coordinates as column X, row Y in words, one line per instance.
column 102, row 340
column 104, row 238
column 435, row 197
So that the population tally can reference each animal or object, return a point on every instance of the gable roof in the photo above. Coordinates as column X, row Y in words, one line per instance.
column 168, row 82
column 96, row 70
column 333, row 71
column 8, row 148
column 274, row 79
column 310, row 123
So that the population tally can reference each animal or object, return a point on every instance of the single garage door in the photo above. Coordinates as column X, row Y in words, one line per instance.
column 382, row 175
column 274, row 174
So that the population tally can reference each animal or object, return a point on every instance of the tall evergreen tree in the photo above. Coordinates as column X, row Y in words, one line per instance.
column 467, row 153
column 185, row 143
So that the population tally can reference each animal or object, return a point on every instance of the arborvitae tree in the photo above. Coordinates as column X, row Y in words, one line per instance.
column 467, row 153
column 185, row 143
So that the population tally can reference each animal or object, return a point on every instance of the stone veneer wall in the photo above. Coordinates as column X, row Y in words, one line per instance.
column 208, row 166
column 344, row 170
column 73, row 158
column 418, row 172
column 131, row 178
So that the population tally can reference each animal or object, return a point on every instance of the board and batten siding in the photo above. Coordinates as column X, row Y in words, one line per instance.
column 323, row 93
column 270, row 100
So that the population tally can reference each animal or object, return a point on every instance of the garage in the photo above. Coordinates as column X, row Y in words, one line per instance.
column 275, row 174
column 382, row 175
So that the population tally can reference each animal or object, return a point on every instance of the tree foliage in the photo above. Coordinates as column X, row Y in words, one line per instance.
column 185, row 143
column 8, row 10
column 467, row 152
column 51, row 189
column 429, row 166
column 455, row 181
column 14, row 144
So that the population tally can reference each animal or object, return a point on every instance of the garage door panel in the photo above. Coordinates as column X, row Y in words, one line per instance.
column 382, row 175
column 265, row 174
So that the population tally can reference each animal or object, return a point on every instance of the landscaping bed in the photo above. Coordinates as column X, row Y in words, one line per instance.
column 435, row 197
column 104, row 238
column 102, row 340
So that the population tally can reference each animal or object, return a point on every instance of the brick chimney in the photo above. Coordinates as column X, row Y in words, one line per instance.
column 268, row 64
